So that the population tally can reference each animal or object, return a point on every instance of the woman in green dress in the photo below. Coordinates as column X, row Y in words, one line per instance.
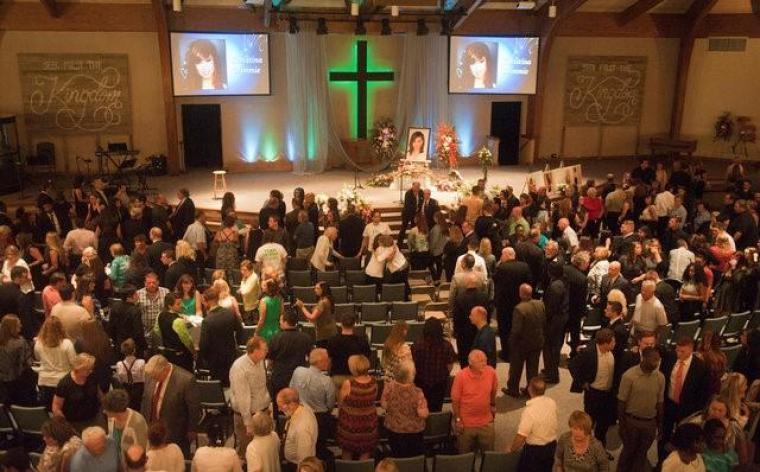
column 270, row 309
column 190, row 296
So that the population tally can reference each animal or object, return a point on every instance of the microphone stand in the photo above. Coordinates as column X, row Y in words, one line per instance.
column 357, row 184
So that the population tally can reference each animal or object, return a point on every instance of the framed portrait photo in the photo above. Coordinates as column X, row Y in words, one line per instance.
column 417, row 144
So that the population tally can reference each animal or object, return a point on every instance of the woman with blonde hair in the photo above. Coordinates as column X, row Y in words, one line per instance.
column 486, row 252
column 263, row 452
column 226, row 300
column 578, row 450
column 55, row 255
column 77, row 396
column 617, row 295
column 250, row 289
column 323, row 251
column 56, row 354
column 734, row 390
column 186, row 256
column 13, row 259
column 395, row 350
column 357, row 432
column 16, row 378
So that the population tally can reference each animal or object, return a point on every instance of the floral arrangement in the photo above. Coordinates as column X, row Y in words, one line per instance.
column 485, row 157
column 447, row 145
column 381, row 180
column 724, row 127
column 385, row 139
column 349, row 195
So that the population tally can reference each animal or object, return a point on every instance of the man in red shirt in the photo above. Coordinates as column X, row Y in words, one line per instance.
column 473, row 396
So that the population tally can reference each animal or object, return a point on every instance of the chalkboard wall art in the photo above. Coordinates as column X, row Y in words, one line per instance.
column 604, row 90
column 76, row 93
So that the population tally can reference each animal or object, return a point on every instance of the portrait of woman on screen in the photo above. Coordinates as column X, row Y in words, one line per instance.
column 477, row 67
column 205, row 65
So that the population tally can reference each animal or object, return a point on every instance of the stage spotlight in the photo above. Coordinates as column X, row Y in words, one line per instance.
column 360, row 29
column 445, row 26
column 321, row 26
column 422, row 28
column 177, row 5
column 354, row 9
column 394, row 10
column 385, row 27
column 293, row 25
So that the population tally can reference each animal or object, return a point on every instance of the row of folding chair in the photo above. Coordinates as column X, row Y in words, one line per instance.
column 728, row 328
column 492, row 462
column 23, row 423
column 356, row 293
column 351, row 277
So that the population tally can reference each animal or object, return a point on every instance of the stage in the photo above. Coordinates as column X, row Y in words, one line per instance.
column 252, row 189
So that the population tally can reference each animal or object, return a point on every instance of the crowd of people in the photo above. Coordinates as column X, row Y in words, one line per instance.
column 114, row 306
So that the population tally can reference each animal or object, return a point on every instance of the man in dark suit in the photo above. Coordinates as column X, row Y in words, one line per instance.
column 350, row 234
column 49, row 220
column 593, row 372
column 470, row 292
column 157, row 246
column 612, row 280
column 412, row 205
column 125, row 321
column 220, row 333
column 14, row 301
column 529, row 252
column 183, row 214
column 507, row 278
column 633, row 358
column 622, row 243
column 5, row 220
column 487, row 226
column 429, row 207
column 577, row 284
column 686, row 379
column 171, row 396
column 173, row 269
column 556, row 302
column 470, row 237
column 288, row 350
column 526, row 339
column 613, row 313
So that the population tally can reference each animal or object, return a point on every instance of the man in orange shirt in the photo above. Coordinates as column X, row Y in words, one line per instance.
column 473, row 396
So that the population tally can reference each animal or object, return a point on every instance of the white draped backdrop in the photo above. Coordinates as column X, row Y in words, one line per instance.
column 311, row 136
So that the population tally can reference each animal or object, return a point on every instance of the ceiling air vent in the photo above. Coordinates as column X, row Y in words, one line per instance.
column 727, row 44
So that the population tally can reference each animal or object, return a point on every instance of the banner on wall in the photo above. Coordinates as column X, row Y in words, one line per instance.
column 604, row 90
column 76, row 93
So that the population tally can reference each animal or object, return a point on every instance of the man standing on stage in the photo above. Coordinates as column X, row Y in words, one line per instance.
column 412, row 205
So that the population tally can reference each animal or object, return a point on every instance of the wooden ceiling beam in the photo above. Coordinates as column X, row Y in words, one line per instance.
column 548, row 28
column 636, row 10
column 468, row 7
column 52, row 8
column 170, row 111
column 694, row 17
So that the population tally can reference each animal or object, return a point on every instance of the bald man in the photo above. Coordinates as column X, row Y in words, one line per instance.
column 507, row 278
column 526, row 339
column 473, row 402
column 485, row 337
column 302, row 430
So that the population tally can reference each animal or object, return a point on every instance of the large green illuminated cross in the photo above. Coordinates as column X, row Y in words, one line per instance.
column 362, row 77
